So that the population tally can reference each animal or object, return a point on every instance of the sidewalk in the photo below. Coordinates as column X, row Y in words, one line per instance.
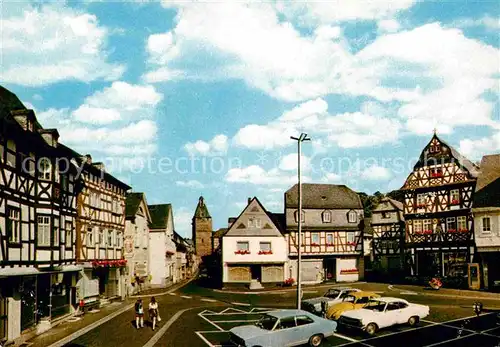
column 91, row 320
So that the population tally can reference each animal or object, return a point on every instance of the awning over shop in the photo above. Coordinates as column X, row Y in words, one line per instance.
column 31, row 271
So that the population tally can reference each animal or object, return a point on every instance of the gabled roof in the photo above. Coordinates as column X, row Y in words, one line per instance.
column 462, row 161
column 323, row 196
column 133, row 203
column 201, row 209
column 219, row 233
column 488, row 183
column 268, row 226
column 160, row 215
column 396, row 205
column 8, row 102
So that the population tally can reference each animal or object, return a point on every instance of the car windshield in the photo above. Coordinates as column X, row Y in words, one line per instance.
column 266, row 322
column 349, row 298
column 375, row 305
column 332, row 293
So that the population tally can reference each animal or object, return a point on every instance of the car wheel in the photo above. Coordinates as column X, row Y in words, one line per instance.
column 413, row 321
column 315, row 340
column 371, row 329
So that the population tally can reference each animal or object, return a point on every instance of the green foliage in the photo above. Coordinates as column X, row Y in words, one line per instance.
column 370, row 202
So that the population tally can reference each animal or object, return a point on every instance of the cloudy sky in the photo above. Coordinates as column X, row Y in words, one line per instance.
column 187, row 98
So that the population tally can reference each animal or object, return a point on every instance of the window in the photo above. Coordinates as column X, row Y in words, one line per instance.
column 363, row 300
column 14, row 225
column 386, row 215
column 417, row 226
column 352, row 217
column 56, row 232
column 254, row 222
column 392, row 306
column 402, row 305
column 315, row 238
column 111, row 242
column 43, row 236
column 350, row 237
column 327, row 217
column 286, row 323
column 436, row 172
column 303, row 320
column 462, row 223
column 302, row 216
column 90, row 237
column 435, row 149
column 421, row 200
column 486, row 225
column 265, row 246
column 119, row 238
column 242, row 246
column 69, row 234
column 11, row 153
column 427, row 225
column 44, row 169
column 451, row 224
column 454, row 196
column 102, row 239
column 329, row 239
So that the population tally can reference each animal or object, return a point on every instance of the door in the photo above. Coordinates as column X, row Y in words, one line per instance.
column 474, row 276
column 3, row 317
column 330, row 269
column 256, row 272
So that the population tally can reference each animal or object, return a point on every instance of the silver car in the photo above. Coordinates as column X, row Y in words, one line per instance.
column 284, row 328
column 331, row 297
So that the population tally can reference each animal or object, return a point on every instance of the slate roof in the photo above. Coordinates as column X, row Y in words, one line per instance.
column 323, row 196
column 397, row 204
column 8, row 102
column 219, row 233
column 159, row 215
column 201, row 209
column 488, row 183
column 132, row 204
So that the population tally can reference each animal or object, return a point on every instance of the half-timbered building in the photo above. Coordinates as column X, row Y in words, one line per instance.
column 486, row 210
column 332, row 237
column 254, row 248
column 100, row 227
column 437, row 210
column 37, row 211
column 388, row 236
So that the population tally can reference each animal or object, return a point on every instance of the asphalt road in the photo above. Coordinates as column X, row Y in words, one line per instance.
column 202, row 323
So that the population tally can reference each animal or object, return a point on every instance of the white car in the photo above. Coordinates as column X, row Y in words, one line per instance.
column 332, row 296
column 382, row 313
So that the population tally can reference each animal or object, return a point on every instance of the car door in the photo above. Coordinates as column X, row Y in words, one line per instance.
column 396, row 312
column 405, row 312
column 286, row 332
column 306, row 327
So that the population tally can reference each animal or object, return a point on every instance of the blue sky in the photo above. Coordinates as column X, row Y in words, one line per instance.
column 187, row 98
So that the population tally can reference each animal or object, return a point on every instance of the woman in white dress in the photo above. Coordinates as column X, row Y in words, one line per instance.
column 153, row 311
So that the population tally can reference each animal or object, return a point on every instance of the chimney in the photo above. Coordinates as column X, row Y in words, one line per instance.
column 88, row 159
column 51, row 136
column 249, row 200
column 24, row 118
column 230, row 221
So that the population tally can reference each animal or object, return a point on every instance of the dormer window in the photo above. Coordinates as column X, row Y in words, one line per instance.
column 386, row 215
column 327, row 217
column 437, row 172
column 302, row 216
column 352, row 217
column 254, row 222
column 44, row 169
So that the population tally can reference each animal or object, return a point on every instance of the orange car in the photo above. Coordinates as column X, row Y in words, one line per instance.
column 353, row 301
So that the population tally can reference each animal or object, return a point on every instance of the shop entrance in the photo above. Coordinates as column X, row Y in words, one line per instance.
column 256, row 272
column 330, row 267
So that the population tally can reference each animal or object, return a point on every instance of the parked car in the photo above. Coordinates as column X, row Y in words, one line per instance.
column 353, row 301
column 382, row 313
column 332, row 296
column 284, row 328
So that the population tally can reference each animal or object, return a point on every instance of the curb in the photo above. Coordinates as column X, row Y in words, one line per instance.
column 459, row 293
column 294, row 289
column 170, row 290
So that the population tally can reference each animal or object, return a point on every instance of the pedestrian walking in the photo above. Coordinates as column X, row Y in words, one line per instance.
column 153, row 312
column 139, row 314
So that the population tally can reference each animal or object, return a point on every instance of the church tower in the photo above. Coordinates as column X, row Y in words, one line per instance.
column 202, row 229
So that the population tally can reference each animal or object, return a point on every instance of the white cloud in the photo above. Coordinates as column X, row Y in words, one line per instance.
column 475, row 149
column 94, row 115
column 290, row 163
column 331, row 177
column 376, row 173
column 217, row 146
column 182, row 219
column 485, row 21
column 256, row 175
column 190, row 184
column 388, row 25
column 123, row 95
column 53, row 43
column 317, row 12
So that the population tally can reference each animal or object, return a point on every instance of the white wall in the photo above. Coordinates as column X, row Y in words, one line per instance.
column 491, row 239
column 157, row 260
column 347, row 264
column 229, row 246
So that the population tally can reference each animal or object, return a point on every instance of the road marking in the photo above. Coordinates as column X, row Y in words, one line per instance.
column 309, row 291
column 408, row 293
column 237, row 310
column 186, row 297
column 92, row 326
column 204, row 339
column 240, row 304
column 209, row 321
column 379, row 292
column 164, row 328
column 173, row 294
column 209, row 300
column 345, row 337
column 237, row 321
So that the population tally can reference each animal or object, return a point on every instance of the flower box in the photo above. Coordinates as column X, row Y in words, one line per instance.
column 265, row 252
column 351, row 243
column 420, row 205
column 314, row 244
column 288, row 282
column 424, row 232
column 436, row 175
column 452, row 230
column 242, row 252
column 349, row 271
column 330, row 244
column 455, row 202
column 463, row 230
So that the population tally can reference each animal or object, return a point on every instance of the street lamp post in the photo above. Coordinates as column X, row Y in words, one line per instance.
column 303, row 137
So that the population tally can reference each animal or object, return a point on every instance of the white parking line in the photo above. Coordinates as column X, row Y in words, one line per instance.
column 173, row 294
column 345, row 337
column 237, row 321
column 240, row 304
column 209, row 300
column 408, row 293
column 185, row 297
column 204, row 339
column 209, row 321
